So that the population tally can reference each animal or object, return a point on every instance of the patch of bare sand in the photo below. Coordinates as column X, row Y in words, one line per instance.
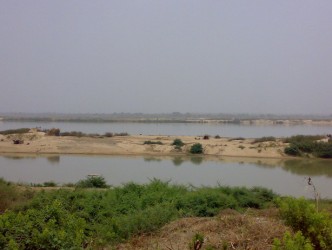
column 255, row 229
column 37, row 142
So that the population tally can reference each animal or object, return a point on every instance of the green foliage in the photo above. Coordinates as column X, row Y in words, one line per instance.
column 178, row 143
column 204, row 202
column 300, row 144
column 153, row 142
column 8, row 195
column 15, row 131
column 197, row 148
column 302, row 138
column 79, row 218
column 293, row 150
column 295, row 242
column 52, row 227
column 92, row 182
column 302, row 216
column 264, row 139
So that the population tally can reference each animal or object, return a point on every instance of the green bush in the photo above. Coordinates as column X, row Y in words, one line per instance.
column 323, row 150
column 302, row 216
column 292, row 150
column 205, row 203
column 91, row 218
column 295, row 242
column 197, row 148
column 178, row 142
column 308, row 144
column 303, row 138
column 52, row 227
column 92, row 182
column 8, row 195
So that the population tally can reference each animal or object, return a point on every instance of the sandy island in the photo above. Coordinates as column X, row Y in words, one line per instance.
column 39, row 143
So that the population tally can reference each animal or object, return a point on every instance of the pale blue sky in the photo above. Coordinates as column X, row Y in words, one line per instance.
column 162, row 56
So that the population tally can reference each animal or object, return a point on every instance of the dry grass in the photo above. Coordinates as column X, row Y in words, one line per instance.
column 254, row 229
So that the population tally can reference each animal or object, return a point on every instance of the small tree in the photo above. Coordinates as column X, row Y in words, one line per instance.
column 197, row 148
column 92, row 182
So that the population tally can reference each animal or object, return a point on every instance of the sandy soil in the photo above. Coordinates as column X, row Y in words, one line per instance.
column 39, row 143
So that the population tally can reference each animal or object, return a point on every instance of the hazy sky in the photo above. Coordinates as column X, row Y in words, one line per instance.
column 154, row 56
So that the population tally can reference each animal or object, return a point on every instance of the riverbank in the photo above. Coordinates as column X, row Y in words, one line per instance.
column 39, row 143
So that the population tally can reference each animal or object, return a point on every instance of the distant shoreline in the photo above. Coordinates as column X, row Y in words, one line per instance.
column 254, row 122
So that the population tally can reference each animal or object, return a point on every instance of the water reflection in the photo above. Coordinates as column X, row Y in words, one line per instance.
column 309, row 167
column 282, row 176
column 54, row 159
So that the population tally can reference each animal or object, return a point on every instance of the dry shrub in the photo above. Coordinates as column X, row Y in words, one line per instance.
column 254, row 229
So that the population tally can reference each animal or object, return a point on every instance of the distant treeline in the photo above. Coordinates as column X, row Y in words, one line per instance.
column 167, row 117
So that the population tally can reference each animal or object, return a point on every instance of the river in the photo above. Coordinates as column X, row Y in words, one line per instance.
column 285, row 177
column 191, row 129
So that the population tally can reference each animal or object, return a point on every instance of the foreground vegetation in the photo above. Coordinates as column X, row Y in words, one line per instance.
column 79, row 218
column 91, row 218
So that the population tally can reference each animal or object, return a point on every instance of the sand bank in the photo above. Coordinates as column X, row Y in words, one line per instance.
column 39, row 143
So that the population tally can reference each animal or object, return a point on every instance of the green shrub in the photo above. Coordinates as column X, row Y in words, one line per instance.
column 302, row 216
column 308, row 144
column 153, row 142
column 303, row 138
column 197, row 148
column 178, row 143
column 323, row 150
column 52, row 227
column 205, row 202
column 295, row 242
column 92, row 182
column 8, row 195
column 292, row 150
column 81, row 218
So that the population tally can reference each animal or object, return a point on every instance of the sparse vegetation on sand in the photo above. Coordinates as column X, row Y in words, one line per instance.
column 15, row 131
column 304, row 145
column 264, row 139
column 153, row 143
